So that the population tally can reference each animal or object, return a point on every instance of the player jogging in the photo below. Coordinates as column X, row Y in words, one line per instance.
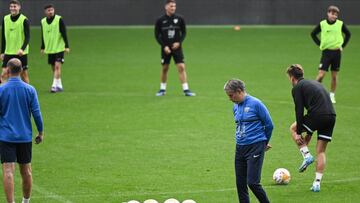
column 170, row 32
column 331, row 44
column 320, row 117
column 54, row 43
column 253, row 132
column 15, row 40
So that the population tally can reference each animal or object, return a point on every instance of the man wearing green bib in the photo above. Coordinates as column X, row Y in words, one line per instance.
column 15, row 40
column 331, row 44
column 54, row 43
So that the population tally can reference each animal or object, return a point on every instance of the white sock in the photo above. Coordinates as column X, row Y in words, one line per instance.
column 332, row 94
column 163, row 86
column 318, row 177
column 54, row 83
column 305, row 152
column 58, row 83
column 185, row 86
column 25, row 200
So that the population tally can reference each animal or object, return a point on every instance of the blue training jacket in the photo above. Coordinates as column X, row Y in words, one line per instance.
column 18, row 101
column 253, row 121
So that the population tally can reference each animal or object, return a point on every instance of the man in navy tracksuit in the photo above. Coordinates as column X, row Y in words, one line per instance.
column 253, row 132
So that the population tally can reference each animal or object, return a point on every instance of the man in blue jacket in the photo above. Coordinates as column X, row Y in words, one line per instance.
column 253, row 132
column 18, row 101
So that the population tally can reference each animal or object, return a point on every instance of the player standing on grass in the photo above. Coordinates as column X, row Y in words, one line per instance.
column 312, row 96
column 170, row 32
column 331, row 44
column 15, row 40
column 253, row 132
column 54, row 43
column 18, row 102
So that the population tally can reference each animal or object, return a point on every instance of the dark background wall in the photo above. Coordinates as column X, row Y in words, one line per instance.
column 198, row 12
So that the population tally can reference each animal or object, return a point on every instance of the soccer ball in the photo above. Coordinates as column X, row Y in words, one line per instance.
column 281, row 176
column 189, row 201
column 133, row 201
column 150, row 201
column 171, row 201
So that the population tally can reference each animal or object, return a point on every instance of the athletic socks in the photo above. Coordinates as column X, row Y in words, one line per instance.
column 25, row 200
column 185, row 86
column 57, row 83
column 163, row 86
column 54, row 83
column 305, row 152
column 318, row 177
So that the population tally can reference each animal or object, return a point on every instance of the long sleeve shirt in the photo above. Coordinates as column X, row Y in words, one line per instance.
column 18, row 102
column 170, row 29
column 62, row 31
column 26, row 33
column 317, row 30
column 253, row 121
column 312, row 96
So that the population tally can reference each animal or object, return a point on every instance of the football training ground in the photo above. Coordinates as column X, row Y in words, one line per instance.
column 109, row 139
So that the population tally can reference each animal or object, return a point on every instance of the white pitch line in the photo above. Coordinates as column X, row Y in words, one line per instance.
column 134, row 194
column 51, row 195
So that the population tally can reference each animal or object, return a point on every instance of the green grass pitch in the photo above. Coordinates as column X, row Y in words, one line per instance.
column 109, row 139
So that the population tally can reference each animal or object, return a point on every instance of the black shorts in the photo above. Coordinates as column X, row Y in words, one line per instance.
column 330, row 58
column 177, row 55
column 15, row 152
column 323, row 124
column 57, row 57
column 23, row 59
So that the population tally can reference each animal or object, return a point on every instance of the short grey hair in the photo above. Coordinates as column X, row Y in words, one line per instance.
column 234, row 85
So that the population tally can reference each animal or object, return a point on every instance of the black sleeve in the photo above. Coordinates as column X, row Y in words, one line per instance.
column 158, row 35
column 27, row 34
column 63, row 32
column 183, row 30
column 3, row 41
column 347, row 33
column 299, row 108
column 42, row 38
column 314, row 34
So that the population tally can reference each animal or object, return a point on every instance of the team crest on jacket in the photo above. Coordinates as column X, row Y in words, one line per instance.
column 176, row 20
column 246, row 109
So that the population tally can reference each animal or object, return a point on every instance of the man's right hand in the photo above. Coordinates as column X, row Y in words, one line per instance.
column 299, row 140
column 39, row 138
column 42, row 51
column 2, row 57
column 167, row 50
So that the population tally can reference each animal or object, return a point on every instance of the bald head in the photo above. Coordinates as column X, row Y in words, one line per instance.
column 15, row 67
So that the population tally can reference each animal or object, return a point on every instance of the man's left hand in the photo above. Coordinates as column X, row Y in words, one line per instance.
column 175, row 46
column 268, row 146
column 20, row 52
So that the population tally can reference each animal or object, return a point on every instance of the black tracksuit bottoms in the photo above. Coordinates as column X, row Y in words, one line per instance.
column 248, row 164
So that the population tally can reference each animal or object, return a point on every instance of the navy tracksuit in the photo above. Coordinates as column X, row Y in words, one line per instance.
column 253, row 131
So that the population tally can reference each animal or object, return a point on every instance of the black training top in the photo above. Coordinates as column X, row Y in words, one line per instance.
column 26, row 33
column 170, row 29
column 313, row 96
column 62, row 31
column 317, row 30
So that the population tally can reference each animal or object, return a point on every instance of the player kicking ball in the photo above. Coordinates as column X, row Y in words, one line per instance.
column 320, row 117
